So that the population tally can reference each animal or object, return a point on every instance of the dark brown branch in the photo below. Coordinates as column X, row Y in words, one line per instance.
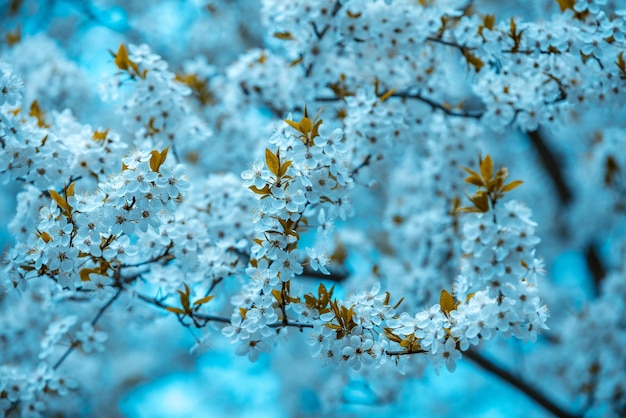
column 435, row 105
column 460, row 47
column 221, row 319
column 515, row 381
column 596, row 267
column 416, row 96
column 551, row 164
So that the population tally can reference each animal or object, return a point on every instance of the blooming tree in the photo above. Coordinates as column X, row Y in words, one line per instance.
column 343, row 175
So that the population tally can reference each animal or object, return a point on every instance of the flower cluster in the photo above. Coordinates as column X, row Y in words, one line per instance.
column 10, row 93
column 500, row 298
column 45, row 150
column 81, row 240
column 306, row 178
column 154, row 109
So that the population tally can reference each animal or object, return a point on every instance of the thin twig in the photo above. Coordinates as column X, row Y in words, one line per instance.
column 334, row 276
column 74, row 345
column 221, row 319
column 403, row 353
column 416, row 96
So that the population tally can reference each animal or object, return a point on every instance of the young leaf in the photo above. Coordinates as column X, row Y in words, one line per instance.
column 305, row 125
column 277, row 295
column 45, row 237
column 121, row 58
column 391, row 336
column 621, row 64
column 446, row 301
column 84, row 274
column 70, row 190
column 486, row 168
column 285, row 36
column 204, row 300
column 284, row 167
column 294, row 125
column 60, row 200
column 480, row 199
column 473, row 60
column 36, row 112
column 158, row 158
column 272, row 161
column 175, row 310
column 387, row 95
column 100, row 135
column 512, row 185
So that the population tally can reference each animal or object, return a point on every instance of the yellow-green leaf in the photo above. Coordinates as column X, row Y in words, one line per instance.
column 158, row 158
column 476, row 181
column 486, row 168
column 36, row 112
column 566, row 4
column 480, row 199
column 391, row 336
column 100, row 135
column 277, row 295
column 84, row 274
column 296, row 62
column 70, row 190
column 470, row 172
column 446, row 301
column 621, row 64
column 285, row 36
column 45, row 237
column 59, row 200
column 264, row 191
column 272, row 161
column 164, row 153
column 175, row 310
column 121, row 58
column 473, row 60
column 512, row 185
column 204, row 300
column 305, row 125
column 284, row 167
column 294, row 125
column 387, row 95
column 14, row 37
column 322, row 294
column 488, row 23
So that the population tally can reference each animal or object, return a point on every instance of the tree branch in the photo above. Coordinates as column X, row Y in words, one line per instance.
column 334, row 276
column 74, row 345
column 519, row 384
column 215, row 318
column 551, row 165
column 416, row 96
column 436, row 105
column 594, row 262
